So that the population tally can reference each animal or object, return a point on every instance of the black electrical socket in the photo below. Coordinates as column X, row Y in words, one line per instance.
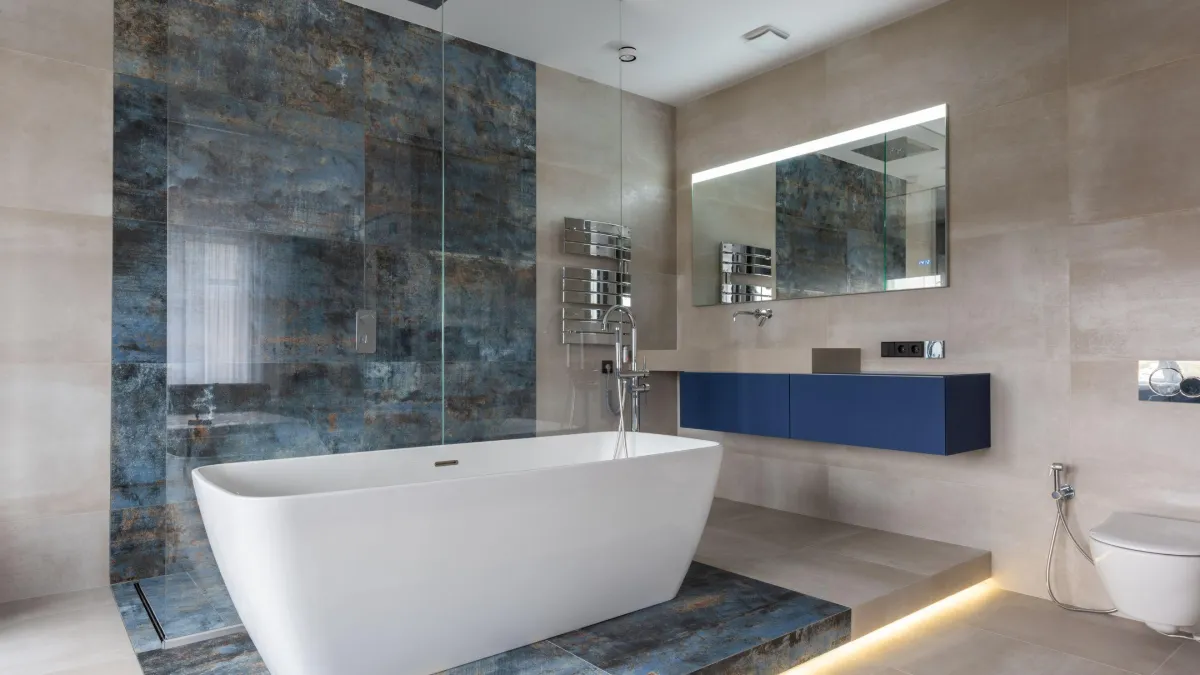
column 606, row 367
column 902, row 350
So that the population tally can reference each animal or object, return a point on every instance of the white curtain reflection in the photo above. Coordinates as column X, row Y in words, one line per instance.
column 210, row 325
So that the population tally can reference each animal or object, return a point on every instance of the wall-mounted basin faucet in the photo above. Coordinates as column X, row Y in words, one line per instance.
column 760, row 314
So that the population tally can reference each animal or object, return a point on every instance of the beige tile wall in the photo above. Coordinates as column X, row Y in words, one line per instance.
column 606, row 156
column 55, row 290
column 1074, row 219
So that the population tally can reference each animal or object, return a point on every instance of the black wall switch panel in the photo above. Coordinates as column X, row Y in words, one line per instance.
column 903, row 350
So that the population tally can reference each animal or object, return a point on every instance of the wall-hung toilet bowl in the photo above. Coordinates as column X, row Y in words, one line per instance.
column 1150, row 567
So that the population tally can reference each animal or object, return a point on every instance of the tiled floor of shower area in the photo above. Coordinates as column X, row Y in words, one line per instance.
column 187, row 607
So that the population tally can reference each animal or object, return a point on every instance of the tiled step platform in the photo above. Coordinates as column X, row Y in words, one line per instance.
column 770, row 590
column 720, row 622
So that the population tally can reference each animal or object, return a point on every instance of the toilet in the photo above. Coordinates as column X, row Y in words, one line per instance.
column 1150, row 567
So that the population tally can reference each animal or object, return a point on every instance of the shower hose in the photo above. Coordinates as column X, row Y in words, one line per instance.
column 1060, row 520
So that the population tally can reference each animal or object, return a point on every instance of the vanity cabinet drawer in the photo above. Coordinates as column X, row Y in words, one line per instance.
column 735, row 402
column 930, row 414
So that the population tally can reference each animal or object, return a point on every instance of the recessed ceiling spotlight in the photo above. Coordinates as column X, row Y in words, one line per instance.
column 767, row 38
column 627, row 54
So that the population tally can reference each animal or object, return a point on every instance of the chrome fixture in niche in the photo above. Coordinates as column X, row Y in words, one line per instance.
column 760, row 315
column 1169, row 381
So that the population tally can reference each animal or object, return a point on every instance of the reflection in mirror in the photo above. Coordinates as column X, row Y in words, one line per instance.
column 862, row 211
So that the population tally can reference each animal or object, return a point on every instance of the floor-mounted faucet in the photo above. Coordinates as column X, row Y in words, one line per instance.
column 760, row 314
column 629, row 372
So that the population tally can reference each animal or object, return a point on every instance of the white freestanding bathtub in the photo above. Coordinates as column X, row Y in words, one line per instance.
column 406, row 563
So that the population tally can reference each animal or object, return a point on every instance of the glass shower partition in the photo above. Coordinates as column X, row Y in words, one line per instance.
column 533, row 117
column 323, row 162
column 304, row 162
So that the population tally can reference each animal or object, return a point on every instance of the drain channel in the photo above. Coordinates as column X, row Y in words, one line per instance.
column 162, row 637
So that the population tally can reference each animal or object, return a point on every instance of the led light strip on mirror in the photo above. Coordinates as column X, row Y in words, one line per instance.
column 894, row 124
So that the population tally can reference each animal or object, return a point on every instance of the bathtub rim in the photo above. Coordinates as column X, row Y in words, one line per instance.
column 198, row 475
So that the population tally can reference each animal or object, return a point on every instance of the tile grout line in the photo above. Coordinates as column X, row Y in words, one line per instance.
column 1034, row 644
column 1167, row 660
column 575, row 656
column 57, row 60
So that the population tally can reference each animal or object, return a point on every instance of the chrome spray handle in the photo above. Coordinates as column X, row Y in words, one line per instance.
column 1061, row 490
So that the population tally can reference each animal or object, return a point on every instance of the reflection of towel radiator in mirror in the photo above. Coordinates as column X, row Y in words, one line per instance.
column 588, row 292
column 746, row 261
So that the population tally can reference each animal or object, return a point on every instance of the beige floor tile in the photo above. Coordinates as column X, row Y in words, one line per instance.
column 831, row 577
column 726, row 510
column 51, row 636
column 91, row 601
column 734, row 552
column 789, row 530
column 1185, row 661
column 125, row 665
column 1113, row 641
column 964, row 650
column 912, row 554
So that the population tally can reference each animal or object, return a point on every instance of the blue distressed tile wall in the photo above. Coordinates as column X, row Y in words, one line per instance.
column 139, row 331
column 250, row 166
column 402, row 73
column 404, row 195
column 277, row 167
column 301, row 55
column 404, row 287
column 140, row 38
column 139, row 149
column 403, row 404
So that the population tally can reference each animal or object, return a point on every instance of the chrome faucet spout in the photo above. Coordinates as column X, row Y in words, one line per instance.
column 761, row 315
column 633, row 341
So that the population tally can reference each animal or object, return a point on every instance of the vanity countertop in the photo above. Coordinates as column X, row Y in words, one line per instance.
column 797, row 361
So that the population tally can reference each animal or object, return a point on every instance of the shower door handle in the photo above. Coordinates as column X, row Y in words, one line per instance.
column 365, row 321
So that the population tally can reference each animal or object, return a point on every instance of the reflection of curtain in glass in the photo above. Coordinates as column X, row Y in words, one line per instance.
column 210, row 332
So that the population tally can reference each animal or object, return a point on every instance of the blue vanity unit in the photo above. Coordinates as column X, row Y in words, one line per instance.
column 929, row 414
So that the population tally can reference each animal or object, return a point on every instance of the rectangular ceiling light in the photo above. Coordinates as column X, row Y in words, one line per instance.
column 895, row 124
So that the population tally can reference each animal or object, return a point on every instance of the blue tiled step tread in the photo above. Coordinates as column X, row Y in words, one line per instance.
column 185, row 604
column 720, row 622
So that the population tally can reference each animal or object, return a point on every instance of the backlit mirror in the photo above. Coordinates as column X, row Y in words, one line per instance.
column 861, row 211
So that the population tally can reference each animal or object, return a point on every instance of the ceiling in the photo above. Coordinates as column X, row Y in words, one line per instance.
column 686, row 48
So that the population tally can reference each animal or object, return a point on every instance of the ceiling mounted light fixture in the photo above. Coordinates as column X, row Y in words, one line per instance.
column 767, row 38
column 627, row 54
